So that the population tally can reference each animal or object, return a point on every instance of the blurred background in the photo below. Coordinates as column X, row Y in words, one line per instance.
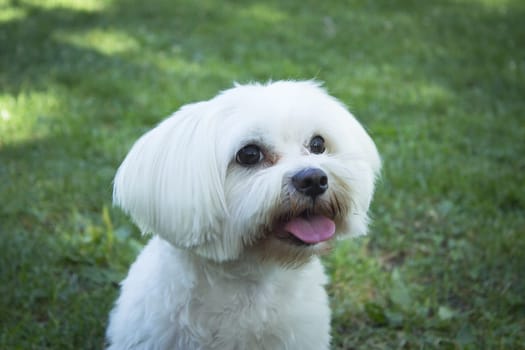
column 439, row 85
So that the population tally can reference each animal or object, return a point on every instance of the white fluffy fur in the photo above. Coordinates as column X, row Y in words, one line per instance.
column 214, row 276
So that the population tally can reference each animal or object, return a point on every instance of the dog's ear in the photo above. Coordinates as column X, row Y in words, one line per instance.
column 356, row 169
column 171, row 182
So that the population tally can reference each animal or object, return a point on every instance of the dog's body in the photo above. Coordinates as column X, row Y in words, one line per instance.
column 242, row 192
column 210, row 306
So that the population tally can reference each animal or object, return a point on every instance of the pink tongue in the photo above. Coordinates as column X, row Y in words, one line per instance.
column 314, row 229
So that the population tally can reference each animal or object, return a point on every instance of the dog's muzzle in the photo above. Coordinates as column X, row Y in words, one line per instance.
column 308, row 224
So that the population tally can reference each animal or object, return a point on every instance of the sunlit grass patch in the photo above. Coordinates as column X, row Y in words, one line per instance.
column 107, row 42
column 11, row 13
column 28, row 116
column 76, row 5
column 264, row 12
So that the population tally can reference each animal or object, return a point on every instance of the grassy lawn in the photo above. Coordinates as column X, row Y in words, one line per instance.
column 440, row 85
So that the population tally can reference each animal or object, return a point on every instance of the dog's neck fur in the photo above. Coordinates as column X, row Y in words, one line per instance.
column 246, row 268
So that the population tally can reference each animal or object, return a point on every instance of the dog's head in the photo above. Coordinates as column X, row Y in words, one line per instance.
column 275, row 170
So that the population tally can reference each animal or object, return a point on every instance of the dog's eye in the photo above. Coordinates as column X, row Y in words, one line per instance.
column 317, row 145
column 249, row 155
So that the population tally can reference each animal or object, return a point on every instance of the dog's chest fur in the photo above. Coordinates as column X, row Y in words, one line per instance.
column 192, row 305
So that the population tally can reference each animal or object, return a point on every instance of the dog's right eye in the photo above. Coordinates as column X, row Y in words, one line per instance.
column 249, row 155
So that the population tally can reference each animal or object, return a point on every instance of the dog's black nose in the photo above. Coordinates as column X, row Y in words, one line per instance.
column 311, row 182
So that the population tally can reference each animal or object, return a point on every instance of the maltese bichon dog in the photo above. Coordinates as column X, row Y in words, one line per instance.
column 242, row 193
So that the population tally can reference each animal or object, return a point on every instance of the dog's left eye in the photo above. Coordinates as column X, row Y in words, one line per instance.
column 317, row 145
column 249, row 155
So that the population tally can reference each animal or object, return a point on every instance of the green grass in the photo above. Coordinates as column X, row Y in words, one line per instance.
column 440, row 86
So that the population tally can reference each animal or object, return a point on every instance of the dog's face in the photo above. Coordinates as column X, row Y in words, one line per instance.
column 275, row 171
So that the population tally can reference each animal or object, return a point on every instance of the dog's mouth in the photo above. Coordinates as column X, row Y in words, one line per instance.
column 306, row 230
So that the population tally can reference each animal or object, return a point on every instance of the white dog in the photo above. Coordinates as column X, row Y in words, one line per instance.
column 242, row 193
